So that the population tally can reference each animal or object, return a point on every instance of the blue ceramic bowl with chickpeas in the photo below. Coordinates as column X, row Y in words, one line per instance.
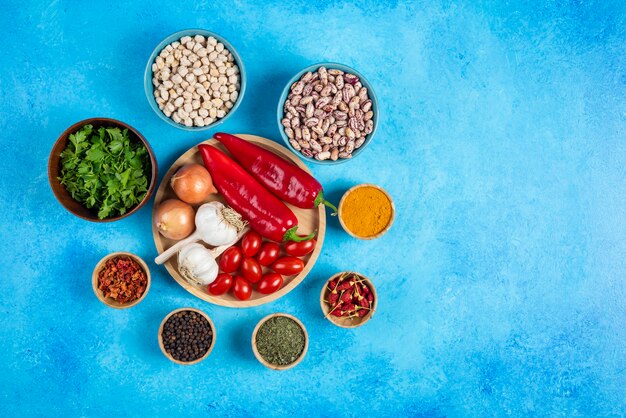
column 359, row 112
column 206, row 92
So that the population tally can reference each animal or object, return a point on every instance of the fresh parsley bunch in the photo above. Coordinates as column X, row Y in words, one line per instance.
column 105, row 169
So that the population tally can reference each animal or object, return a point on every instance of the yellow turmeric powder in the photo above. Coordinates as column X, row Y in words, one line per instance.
column 366, row 211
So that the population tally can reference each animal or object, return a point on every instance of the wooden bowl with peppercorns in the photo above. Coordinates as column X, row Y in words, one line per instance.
column 348, row 299
column 121, row 280
column 176, row 330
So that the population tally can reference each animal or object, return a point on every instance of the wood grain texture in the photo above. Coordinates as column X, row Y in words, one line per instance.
column 308, row 221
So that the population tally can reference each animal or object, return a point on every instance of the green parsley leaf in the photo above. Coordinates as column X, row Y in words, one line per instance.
column 105, row 170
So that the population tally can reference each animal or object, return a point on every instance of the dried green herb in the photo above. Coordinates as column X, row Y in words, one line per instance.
column 105, row 170
column 280, row 340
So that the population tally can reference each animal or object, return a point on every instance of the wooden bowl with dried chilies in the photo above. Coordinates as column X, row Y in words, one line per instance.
column 115, row 297
column 348, row 299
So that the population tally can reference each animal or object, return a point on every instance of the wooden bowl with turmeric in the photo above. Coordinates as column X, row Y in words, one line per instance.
column 366, row 211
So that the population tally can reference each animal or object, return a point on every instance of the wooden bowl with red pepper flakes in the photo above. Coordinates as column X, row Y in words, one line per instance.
column 348, row 299
column 121, row 280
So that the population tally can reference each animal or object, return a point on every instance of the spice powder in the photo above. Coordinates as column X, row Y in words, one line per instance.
column 366, row 211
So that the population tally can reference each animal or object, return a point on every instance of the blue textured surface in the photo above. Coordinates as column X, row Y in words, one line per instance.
column 502, row 283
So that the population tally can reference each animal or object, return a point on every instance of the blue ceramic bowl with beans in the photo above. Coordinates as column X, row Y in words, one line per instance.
column 347, row 97
column 203, row 87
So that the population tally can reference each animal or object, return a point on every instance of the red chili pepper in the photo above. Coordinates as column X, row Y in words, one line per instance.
column 348, row 307
column 346, row 297
column 363, row 303
column 266, row 214
column 333, row 298
column 345, row 286
column 283, row 178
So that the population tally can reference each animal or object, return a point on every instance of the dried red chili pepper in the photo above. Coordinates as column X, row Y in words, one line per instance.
column 333, row 298
column 349, row 297
column 346, row 297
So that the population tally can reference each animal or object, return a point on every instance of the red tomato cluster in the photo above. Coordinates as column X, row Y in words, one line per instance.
column 242, row 266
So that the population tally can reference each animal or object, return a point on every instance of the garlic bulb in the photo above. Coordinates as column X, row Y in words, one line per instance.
column 218, row 224
column 197, row 264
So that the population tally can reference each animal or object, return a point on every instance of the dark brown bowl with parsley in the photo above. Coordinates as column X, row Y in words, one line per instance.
column 102, row 170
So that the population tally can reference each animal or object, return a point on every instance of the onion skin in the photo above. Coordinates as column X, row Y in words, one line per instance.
column 192, row 184
column 174, row 219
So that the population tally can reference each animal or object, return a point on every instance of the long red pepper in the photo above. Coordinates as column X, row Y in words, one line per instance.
column 265, row 212
column 283, row 178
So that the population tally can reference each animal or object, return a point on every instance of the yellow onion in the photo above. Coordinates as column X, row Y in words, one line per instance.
column 192, row 184
column 174, row 219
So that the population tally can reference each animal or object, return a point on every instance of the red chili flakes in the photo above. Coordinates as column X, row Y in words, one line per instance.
column 123, row 279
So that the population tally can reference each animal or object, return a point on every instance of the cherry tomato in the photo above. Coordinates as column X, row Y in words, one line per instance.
column 270, row 283
column 268, row 253
column 288, row 266
column 242, row 288
column 222, row 284
column 251, row 269
column 231, row 259
column 300, row 248
column 251, row 243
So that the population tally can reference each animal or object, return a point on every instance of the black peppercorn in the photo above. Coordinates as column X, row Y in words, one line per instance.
column 187, row 336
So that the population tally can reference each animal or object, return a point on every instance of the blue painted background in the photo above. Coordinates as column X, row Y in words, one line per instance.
column 502, row 283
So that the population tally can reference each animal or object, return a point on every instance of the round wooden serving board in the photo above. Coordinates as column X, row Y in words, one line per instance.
column 309, row 220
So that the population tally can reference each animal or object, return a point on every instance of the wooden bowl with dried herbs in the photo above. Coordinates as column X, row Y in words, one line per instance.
column 121, row 280
column 280, row 341
column 102, row 170
column 348, row 299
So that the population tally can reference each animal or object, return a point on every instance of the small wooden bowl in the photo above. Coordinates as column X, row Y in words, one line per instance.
column 168, row 355
column 340, row 210
column 54, row 170
column 276, row 366
column 110, row 301
column 345, row 322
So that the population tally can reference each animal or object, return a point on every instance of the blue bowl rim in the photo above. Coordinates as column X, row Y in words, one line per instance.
column 328, row 65
column 149, row 88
